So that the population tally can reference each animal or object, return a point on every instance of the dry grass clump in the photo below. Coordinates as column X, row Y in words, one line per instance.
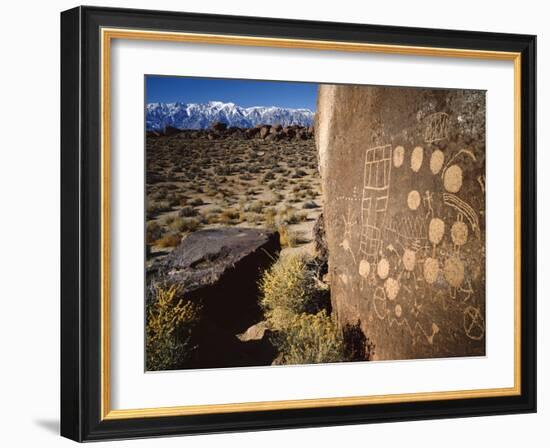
column 156, row 207
column 169, row 240
column 229, row 217
column 184, row 224
column 170, row 322
column 153, row 231
column 287, row 237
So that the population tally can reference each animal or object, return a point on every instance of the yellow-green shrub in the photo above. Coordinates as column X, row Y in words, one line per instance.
column 170, row 321
column 288, row 288
column 311, row 338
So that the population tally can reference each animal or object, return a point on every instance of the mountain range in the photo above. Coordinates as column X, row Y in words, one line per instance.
column 200, row 116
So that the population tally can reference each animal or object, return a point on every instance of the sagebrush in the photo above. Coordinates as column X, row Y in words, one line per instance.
column 169, row 333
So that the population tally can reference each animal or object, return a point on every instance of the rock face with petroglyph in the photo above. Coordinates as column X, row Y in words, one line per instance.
column 403, row 173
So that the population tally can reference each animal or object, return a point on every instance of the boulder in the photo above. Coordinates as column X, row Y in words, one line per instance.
column 218, row 126
column 402, row 172
column 264, row 131
column 171, row 130
column 220, row 269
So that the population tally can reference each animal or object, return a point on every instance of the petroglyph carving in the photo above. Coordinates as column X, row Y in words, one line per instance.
column 454, row 271
column 383, row 268
column 436, row 230
column 474, row 325
column 398, row 156
column 464, row 209
column 459, row 233
column 413, row 200
column 391, row 287
column 374, row 204
column 431, row 270
column 419, row 278
column 417, row 157
column 452, row 179
column 436, row 161
column 437, row 127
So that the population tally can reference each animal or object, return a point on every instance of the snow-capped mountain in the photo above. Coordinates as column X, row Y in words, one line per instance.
column 201, row 116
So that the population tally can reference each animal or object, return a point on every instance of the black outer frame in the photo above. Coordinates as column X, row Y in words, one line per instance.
column 81, row 207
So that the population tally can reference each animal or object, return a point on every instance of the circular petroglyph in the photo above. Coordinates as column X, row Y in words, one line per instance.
column 383, row 268
column 474, row 324
column 452, row 179
column 459, row 233
column 364, row 268
column 413, row 200
column 391, row 286
column 431, row 270
column 436, row 161
column 417, row 157
column 436, row 229
column 398, row 156
column 454, row 271
column 398, row 310
column 409, row 259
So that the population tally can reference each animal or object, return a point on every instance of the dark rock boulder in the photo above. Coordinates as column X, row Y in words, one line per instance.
column 218, row 126
column 171, row 130
column 220, row 269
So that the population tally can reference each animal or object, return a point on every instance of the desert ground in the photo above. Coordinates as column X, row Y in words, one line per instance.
column 201, row 180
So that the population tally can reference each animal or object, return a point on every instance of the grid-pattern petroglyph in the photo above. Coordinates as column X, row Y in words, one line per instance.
column 374, row 203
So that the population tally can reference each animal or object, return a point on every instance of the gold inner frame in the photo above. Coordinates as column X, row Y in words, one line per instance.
column 107, row 35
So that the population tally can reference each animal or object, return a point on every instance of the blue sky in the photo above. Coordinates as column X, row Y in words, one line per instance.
column 245, row 93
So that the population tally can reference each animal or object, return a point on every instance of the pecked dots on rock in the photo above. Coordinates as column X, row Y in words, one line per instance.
column 431, row 270
column 459, row 233
column 398, row 310
column 409, row 259
column 413, row 200
column 398, row 156
column 436, row 229
column 452, row 179
column 454, row 271
column 436, row 161
column 417, row 157
column 364, row 268
column 391, row 286
column 383, row 268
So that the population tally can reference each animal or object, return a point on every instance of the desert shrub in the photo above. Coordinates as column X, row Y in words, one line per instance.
column 169, row 240
column 269, row 218
column 290, row 287
column 185, row 224
column 311, row 338
column 229, row 217
column 196, row 201
column 287, row 237
column 156, row 207
column 256, row 207
column 187, row 211
column 170, row 324
column 153, row 232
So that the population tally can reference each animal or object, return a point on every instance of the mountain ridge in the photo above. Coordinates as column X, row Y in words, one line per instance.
column 202, row 115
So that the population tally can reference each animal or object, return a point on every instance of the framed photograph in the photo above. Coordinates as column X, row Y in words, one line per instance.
column 275, row 224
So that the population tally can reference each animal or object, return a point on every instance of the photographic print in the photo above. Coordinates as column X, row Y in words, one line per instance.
column 297, row 223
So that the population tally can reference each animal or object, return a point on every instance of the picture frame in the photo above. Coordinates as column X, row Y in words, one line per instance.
column 87, row 34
